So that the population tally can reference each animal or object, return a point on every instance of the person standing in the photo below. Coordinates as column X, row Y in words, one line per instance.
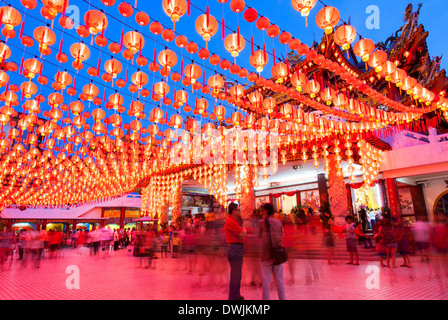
column 271, row 233
column 235, row 236
column 390, row 242
column 350, row 240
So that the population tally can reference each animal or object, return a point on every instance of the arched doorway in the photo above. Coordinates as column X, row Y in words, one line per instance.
column 441, row 206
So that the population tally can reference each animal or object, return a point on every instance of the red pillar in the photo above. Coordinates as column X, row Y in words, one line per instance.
column 394, row 202
column 122, row 214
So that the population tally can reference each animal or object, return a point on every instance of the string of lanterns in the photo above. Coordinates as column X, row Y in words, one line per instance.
column 74, row 154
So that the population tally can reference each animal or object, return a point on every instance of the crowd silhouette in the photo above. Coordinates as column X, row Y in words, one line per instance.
column 197, row 245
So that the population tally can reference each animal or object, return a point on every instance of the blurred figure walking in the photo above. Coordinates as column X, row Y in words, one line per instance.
column 271, row 233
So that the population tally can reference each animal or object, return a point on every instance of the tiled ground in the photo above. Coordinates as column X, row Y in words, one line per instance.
column 119, row 276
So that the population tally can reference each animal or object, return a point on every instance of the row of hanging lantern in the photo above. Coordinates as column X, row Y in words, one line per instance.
column 96, row 23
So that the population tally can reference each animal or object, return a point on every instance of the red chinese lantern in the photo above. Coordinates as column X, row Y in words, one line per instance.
column 216, row 82
column 262, row 23
column 344, row 36
column 363, row 48
column 258, row 60
column 206, row 26
column 273, row 31
column 10, row 17
column 220, row 113
column 181, row 41
column 304, row 7
column 95, row 21
column 76, row 107
column 133, row 41
column 113, row 67
column 250, row 15
column 55, row 6
column 377, row 59
column 269, row 105
column 156, row 28
column 125, row 9
column 45, row 36
column 28, row 89
column 140, row 79
column 32, row 67
column 80, row 52
column 237, row 5
column 174, row 9
column 167, row 59
column 142, row 18
column 280, row 72
column 193, row 72
column 299, row 80
column 234, row 43
column 63, row 78
column 181, row 97
column 327, row 18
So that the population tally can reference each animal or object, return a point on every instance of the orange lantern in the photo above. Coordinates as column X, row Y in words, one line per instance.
column 258, row 60
column 76, row 107
column 398, row 77
column 256, row 98
column 45, row 36
column 116, row 100
column 174, row 9
column 137, row 107
column 133, row 41
column 176, row 121
column 269, row 105
column 28, row 89
column 55, row 6
column 80, row 52
column 280, row 72
column 193, row 72
column 328, row 95
column 363, row 48
column 5, row 52
column 216, row 82
column 10, row 17
column 32, row 67
column 206, row 25
column 63, row 78
column 377, row 60
column 113, row 67
column 234, row 43
column 304, row 7
column 237, row 92
column 327, row 18
column 156, row 115
column 201, row 105
column 220, row 113
column 90, row 91
column 167, row 59
column 181, row 97
column 142, row 18
column 55, row 99
column 140, row 79
column 95, row 21
column 344, row 36
column 161, row 89
column 312, row 88
column 236, row 118
column 299, row 80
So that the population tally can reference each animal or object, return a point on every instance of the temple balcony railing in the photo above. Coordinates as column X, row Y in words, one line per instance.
column 416, row 154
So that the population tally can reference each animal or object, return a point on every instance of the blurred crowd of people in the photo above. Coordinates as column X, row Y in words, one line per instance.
column 197, row 244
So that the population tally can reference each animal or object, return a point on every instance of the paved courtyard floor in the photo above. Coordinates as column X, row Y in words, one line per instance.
column 75, row 274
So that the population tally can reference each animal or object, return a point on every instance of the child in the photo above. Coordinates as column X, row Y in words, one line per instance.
column 176, row 243
column 380, row 248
